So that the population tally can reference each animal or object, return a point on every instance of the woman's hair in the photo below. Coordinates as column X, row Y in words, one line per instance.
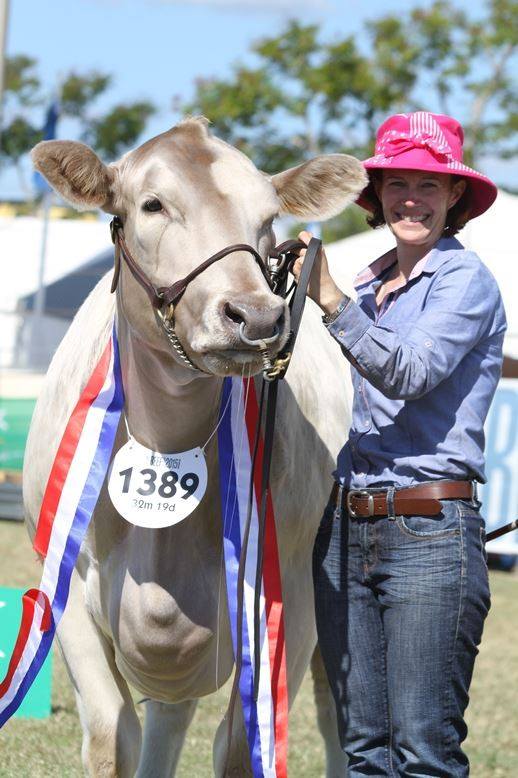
column 456, row 218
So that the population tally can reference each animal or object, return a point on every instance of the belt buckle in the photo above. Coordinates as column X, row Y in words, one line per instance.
column 360, row 493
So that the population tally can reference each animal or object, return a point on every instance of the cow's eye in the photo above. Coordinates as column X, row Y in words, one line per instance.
column 153, row 205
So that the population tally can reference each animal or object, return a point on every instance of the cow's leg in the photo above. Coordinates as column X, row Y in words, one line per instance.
column 164, row 734
column 233, row 762
column 336, row 761
column 111, row 729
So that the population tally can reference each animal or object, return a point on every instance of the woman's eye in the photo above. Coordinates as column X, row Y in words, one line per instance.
column 152, row 205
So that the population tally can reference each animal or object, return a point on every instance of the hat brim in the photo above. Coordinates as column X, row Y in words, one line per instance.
column 483, row 191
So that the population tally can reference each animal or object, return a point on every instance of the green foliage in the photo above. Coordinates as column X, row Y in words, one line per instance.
column 17, row 138
column 21, row 80
column 119, row 128
column 77, row 92
column 305, row 96
column 110, row 133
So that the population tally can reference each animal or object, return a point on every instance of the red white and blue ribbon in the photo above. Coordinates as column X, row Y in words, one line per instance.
column 266, row 720
column 72, row 491
column 70, row 497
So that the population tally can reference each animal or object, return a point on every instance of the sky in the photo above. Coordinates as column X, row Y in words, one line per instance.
column 155, row 49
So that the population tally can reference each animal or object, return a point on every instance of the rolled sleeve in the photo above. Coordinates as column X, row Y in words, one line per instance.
column 350, row 325
column 460, row 310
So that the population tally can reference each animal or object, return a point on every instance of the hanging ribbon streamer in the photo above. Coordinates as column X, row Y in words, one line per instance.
column 265, row 719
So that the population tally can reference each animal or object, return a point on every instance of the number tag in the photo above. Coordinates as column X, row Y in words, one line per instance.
column 156, row 490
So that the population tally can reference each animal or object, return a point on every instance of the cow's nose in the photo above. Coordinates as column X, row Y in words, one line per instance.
column 258, row 322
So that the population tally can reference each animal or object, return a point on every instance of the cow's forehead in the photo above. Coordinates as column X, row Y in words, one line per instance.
column 188, row 162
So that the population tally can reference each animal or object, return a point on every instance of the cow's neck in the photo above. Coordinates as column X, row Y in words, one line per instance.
column 167, row 408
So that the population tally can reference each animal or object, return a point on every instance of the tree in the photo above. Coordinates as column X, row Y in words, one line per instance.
column 305, row 96
column 109, row 133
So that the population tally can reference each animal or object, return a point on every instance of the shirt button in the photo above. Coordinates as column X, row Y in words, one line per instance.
column 428, row 343
column 341, row 333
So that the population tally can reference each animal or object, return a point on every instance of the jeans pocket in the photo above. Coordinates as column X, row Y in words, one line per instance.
column 445, row 524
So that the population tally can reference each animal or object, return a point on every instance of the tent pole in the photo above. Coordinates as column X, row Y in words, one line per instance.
column 37, row 329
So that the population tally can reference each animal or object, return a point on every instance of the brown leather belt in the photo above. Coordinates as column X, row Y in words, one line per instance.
column 420, row 500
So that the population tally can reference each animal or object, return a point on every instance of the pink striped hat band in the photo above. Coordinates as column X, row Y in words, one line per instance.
column 429, row 143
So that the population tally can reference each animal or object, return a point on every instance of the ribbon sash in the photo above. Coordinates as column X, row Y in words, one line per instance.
column 71, row 494
column 70, row 498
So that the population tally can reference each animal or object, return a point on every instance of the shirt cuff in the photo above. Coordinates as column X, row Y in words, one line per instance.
column 350, row 325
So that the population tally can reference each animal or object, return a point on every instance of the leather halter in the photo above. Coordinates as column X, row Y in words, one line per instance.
column 164, row 296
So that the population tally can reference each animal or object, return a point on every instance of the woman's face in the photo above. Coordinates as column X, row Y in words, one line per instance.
column 415, row 204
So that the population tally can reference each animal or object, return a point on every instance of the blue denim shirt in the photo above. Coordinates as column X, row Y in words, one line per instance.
column 425, row 369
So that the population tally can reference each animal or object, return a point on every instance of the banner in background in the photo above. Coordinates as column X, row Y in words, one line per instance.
column 49, row 133
column 500, row 494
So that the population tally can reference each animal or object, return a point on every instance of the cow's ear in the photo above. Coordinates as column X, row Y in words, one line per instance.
column 77, row 173
column 320, row 188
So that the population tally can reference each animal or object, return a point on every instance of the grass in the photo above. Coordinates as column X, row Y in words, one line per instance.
column 49, row 748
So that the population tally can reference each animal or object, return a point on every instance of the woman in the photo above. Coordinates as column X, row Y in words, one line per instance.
column 401, row 585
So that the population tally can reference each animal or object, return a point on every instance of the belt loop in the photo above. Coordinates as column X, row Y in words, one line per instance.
column 391, row 513
column 474, row 491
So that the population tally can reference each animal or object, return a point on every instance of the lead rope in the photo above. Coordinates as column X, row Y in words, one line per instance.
column 269, row 389
column 297, row 304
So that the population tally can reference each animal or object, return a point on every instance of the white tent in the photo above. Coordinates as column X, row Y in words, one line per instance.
column 489, row 235
column 70, row 243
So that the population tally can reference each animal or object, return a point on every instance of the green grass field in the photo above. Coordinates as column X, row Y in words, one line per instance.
column 41, row 749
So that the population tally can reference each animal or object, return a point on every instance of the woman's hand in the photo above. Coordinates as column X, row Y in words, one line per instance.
column 322, row 289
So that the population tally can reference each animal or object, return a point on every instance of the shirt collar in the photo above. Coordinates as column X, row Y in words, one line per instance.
column 428, row 264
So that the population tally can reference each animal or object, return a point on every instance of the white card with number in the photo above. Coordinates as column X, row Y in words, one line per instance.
column 156, row 490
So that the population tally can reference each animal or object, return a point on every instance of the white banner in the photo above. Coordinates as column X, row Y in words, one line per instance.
column 500, row 494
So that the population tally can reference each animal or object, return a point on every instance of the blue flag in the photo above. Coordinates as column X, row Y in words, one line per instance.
column 49, row 133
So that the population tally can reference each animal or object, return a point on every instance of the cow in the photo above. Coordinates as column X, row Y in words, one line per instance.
column 147, row 607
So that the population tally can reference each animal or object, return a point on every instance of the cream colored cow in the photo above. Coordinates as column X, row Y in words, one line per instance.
column 147, row 607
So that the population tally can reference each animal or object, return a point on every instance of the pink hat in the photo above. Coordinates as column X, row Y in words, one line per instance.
column 428, row 142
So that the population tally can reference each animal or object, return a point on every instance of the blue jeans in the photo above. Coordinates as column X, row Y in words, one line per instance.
column 400, row 606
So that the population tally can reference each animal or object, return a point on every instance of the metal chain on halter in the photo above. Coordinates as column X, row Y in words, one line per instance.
column 174, row 340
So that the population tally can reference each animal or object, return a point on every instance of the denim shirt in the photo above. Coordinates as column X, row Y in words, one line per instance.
column 425, row 369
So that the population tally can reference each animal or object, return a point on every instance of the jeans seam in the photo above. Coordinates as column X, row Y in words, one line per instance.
column 388, row 717
column 462, row 591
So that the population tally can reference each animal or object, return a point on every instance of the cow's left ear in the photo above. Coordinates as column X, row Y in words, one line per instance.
column 320, row 188
column 77, row 173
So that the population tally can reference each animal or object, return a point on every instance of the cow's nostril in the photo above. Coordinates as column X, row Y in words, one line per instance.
column 256, row 322
column 234, row 314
